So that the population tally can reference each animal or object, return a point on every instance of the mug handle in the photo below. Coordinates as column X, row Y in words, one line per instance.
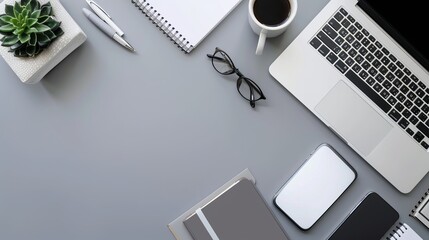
column 261, row 42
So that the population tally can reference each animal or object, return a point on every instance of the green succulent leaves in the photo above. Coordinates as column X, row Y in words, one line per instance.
column 28, row 27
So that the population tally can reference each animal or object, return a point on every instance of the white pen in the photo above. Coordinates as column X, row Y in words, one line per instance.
column 104, row 16
column 107, row 29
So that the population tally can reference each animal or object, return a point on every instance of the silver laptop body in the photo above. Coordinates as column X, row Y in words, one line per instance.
column 314, row 72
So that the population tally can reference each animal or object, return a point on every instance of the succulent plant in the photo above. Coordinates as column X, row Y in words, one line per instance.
column 28, row 27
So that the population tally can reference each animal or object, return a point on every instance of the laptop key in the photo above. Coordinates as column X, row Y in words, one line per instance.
column 399, row 107
column 393, row 58
column 404, row 89
column 411, row 96
column 330, row 32
column 372, row 38
column 400, row 65
column 363, row 51
column 356, row 45
column 344, row 12
column 406, row 80
column 407, row 71
column 420, row 93
column 377, row 87
column 414, row 120
column 350, row 38
column 338, row 16
column 343, row 32
column 422, row 85
column 315, row 43
column 352, row 29
column 340, row 65
column 372, row 71
column 383, row 70
column 351, row 19
column 392, row 67
column 394, row 91
column 401, row 97
column 369, row 57
column 409, row 131
column 363, row 75
column 365, row 42
column 370, row 81
column 378, row 54
column 365, row 32
column 378, row 44
column 408, row 104
column 392, row 100
column 394, row 115
column 397, row 83
column 357, row 68
column 414, row 78
column 384, row 93
column 425, row 108
column 366, row 65
column 350, row 62
column 368, row 91
column 418, row 102
column 423, row 117
column 404, row 123
column 359, row 36
column 332, row 58
column 343, row 55
column 358, row 26
column 339, row 40
column 345, row 23
column 424, row 145
column 415, row 110
column 413, row 86
column 328, row 42
column 372, row 48
column 387, row 84
column 376, row 63
column 426, row 99
column 379, row 78
column 323, row 50
column 352, row 52
column 423, row 128
column 359, row 59
column 334, row 24
column 346, row 46
column 406, row 113
column 399, row 73
column 419, row 136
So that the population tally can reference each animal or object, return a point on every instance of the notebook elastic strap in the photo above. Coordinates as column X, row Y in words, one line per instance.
column 206, row 224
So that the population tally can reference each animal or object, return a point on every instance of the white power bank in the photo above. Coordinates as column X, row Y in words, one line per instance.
column 317, row 184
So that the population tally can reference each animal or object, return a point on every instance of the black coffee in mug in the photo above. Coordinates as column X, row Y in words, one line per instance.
column 271, row 12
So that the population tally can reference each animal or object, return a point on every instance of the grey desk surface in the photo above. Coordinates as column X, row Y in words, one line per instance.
column 114, row 145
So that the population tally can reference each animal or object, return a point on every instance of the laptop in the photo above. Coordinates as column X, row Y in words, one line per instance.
column 362, row 68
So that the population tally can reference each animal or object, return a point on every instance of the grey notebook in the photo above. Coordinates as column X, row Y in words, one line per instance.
column 238, row 213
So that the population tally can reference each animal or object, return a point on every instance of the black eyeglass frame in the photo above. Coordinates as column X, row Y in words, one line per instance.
column 252, row 85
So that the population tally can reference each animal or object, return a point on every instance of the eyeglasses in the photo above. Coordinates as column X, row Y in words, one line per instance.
column 247, row 88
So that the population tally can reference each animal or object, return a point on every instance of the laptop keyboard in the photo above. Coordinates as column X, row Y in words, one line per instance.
column 371, row 67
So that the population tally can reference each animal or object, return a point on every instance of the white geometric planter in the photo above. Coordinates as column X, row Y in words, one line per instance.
column 32, row 70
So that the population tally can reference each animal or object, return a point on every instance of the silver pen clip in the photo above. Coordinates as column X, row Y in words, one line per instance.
column 99, row 7
column 101, row 13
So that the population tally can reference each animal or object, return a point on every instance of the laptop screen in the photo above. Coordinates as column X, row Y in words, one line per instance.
column 405, row 21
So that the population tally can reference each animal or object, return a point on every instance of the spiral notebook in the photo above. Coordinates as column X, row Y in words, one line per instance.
column 403, row 232
column 186, row 22
column 421, row 210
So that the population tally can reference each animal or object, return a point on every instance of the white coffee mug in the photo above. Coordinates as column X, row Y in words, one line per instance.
column 265, row 31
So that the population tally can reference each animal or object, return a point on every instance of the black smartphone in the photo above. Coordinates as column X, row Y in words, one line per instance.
column 370, row 220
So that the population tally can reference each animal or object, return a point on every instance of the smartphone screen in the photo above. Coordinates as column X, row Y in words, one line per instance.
column 370, row 220
column 315, row 187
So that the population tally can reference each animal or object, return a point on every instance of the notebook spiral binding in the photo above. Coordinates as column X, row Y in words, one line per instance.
column 163, row 25
column 419, row 202
column 397, row 233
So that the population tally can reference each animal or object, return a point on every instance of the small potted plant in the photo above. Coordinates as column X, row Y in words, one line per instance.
column 28, row 28
column 36, row 36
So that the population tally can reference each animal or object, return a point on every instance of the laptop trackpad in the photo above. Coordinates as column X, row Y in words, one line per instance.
column 356, row 121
